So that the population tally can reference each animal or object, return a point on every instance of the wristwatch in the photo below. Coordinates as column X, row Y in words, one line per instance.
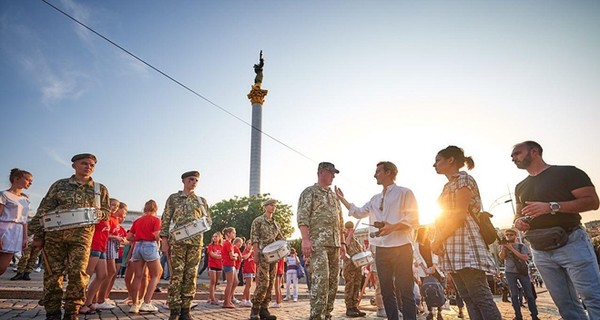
column 554, row 207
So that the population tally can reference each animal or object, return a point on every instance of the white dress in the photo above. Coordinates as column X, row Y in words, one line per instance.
column 12, row 220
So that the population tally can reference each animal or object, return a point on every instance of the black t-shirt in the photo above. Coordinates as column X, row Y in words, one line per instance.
column 553, row 184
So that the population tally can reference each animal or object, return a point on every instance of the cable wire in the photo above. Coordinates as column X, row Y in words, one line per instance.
column 176, row 81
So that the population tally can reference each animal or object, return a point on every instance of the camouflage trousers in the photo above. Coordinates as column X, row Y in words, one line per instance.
column 352, row 279
column 29, row 257
column 185, row 259
column 324, row 262
column 265, row 278
column 66, row 251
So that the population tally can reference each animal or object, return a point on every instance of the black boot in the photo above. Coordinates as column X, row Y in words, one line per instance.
column 186, row 315
column 26, row 276
column 70, row 316
column 265, row 314
column 174, row 315
column 351, row 313
column 18, row 276
column 360, row 313
column 54, row 315
column 254, row 314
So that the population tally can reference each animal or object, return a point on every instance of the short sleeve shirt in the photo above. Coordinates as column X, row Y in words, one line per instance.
column 320, row 210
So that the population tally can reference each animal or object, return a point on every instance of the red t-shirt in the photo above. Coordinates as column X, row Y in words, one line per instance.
column 238, row 262
column 123, row 233
column 214, row 262
column 249, row 264
column 100, row 236
column 227, row 248
column 114, row 225
column 144, row 228
column 280, row 266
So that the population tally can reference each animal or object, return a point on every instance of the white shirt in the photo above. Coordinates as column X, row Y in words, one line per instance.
column 399, row 205
column 16, row 207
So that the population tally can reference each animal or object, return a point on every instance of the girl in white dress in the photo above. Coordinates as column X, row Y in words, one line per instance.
column 14, row 206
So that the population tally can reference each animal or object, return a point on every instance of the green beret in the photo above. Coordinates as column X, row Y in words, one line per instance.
column 84, row 156
column 268, row 202
column 190, row 174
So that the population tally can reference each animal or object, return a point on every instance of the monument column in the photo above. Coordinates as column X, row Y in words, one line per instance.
column 257, row 98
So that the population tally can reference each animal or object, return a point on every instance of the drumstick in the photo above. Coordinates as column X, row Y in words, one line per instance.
column 45, row 261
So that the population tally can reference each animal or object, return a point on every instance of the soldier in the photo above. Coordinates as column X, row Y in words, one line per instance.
column 265, row 231
column 321, row 224
column 68, row 250
column 352, row 274
column 181, row 208
column 29, row 258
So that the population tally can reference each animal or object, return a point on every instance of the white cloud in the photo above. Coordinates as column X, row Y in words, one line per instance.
column 56, row 157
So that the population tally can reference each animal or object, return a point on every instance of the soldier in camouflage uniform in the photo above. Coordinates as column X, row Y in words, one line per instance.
column 352, row 274
column 181, row 208
column 264, row 231
column 67, row 251
column 321, row 224
column 29, row 258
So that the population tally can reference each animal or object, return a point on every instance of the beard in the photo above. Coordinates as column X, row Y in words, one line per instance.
column 526, row 162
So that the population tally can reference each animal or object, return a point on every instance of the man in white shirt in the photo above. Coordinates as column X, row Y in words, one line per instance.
column 396, row 208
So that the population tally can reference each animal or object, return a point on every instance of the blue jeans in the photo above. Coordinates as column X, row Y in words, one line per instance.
column 165, row 266
column 475, row 291
column 394, row 269
column 525, row 281
column 569, row 271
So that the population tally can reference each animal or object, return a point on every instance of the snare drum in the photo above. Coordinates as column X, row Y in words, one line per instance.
column 191, row 229
column 362, row 259
column 276, row 251
column 68, row 219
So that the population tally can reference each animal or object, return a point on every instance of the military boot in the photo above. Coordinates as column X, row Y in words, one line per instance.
column 265, row 314
column 57, row 315
column 18, row 276
column 174, row 315
column 70, row 316
column 186, row 315
column 254, row 313
column 26, row 276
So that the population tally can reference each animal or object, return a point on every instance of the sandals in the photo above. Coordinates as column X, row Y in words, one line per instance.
column 89, row 310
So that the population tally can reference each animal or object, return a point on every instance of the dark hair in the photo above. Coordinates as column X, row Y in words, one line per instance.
column 389, row 166
column 17, row 173
column 228, row 230
column 459, row 157
column 532, row 145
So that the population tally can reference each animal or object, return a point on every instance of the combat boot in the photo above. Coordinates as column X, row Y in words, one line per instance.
column 26, row 276
column 186, row 315
column 70, row 316
column 18, row 276
column 174, row 315
column 360, row 313
column 254, row 314
column 54, row 315
column 265, row 314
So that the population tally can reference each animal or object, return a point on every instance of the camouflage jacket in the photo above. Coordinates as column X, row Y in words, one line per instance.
column 265, row 231
column 353, row 247
column 68, row 194
column 181, row 209
column 320, row 210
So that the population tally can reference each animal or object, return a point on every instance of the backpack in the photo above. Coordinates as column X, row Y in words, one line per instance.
column 486, row 228
column 522, row 266
column 433, row 292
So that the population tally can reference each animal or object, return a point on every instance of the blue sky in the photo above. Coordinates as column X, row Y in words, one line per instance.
column 351, row 82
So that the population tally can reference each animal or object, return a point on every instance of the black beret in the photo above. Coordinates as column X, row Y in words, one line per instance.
column 84, row 156
column 190, row 173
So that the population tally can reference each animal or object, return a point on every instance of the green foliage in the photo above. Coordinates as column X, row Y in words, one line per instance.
column 240, row 212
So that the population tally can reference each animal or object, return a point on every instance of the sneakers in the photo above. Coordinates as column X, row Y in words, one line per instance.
column 295, row 300
column 285, row 298
column 38, row 269
column 235, row 301
column 104, row 306
column 110, row 301
column 135, row 308
column 246, row 304
column 148, row 307
column 275, row 305
column 381, row 313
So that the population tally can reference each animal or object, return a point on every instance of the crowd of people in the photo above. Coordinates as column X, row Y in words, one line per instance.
column 402, row 255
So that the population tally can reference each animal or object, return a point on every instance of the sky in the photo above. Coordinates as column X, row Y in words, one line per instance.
column 350, row 82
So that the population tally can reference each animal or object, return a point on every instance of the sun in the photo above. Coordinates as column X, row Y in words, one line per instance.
column 428, row 212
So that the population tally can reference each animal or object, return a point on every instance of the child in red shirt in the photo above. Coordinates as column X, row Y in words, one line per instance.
column 215, row 264
column 237, row 244
column 229, row 258
column 249, row 272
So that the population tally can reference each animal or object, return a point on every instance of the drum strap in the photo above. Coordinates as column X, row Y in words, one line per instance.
column 202, row 206
column 97, row 194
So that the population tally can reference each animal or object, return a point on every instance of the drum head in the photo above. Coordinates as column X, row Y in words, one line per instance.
column 274, row 246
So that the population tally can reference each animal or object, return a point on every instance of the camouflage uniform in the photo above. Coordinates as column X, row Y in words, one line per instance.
column 320, row 210
column 352, row 275
column 67, row 250
column 29, row 257
column 264, row 232
column 185, row 255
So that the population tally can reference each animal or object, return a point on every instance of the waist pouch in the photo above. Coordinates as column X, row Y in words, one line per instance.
column 548, row 239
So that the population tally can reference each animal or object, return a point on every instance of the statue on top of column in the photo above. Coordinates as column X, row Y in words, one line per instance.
column 258, row 69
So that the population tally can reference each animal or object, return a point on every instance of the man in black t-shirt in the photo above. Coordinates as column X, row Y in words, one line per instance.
column 549, row 201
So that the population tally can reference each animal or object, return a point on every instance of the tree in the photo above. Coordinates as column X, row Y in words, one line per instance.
column 240, row 212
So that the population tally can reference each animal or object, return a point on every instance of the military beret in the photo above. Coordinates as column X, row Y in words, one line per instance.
column 84, row 156
column 328, row 166
column 190, row 174
column 268, row 202
column 349, row 225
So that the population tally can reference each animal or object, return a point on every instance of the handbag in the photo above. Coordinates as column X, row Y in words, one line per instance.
column 547, row 239
column 300, row 272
